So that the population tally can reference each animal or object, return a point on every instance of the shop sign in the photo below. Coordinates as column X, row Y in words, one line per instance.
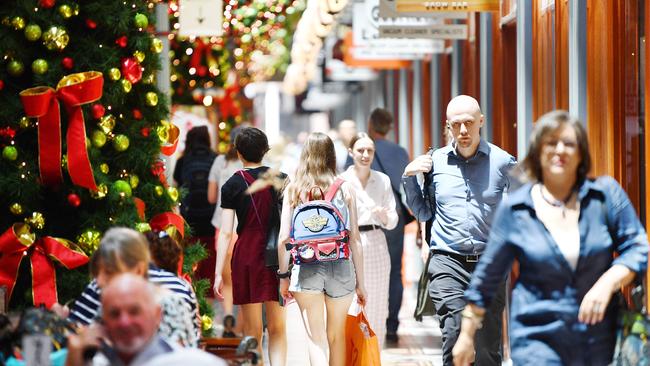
column 421, row 6
column 388, row 9
column 438, row 31
column 368, row 44
column 200, row 18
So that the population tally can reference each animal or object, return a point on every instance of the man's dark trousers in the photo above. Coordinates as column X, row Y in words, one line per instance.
column 450, row 277
column 395, row 240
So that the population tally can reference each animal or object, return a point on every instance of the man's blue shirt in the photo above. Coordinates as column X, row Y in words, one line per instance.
column 462, row 196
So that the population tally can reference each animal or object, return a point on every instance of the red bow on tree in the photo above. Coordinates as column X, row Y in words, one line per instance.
column 42, row 102
column 17, row 243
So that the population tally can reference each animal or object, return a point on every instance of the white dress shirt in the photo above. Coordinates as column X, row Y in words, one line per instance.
column 377, row 192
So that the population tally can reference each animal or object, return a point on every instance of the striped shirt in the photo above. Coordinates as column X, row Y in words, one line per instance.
column 86, row 307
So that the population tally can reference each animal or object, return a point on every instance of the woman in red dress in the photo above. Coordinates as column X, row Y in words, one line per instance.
column 253, row 282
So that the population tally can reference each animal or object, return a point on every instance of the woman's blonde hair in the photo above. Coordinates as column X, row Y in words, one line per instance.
column 317, row 167
column 120, row 250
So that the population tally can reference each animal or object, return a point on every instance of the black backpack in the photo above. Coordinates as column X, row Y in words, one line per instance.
column 195, row 207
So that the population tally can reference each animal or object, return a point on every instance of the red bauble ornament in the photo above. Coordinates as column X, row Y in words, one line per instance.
column 67, row 63
column 137, row 114
column 2, row 84
column 145, row 131
column 122, row 41
column 8, row 133
column 74, row 200
column 46, row 3
column 131, row 70
column 91, row 24
column 202, row 71
column 98, row 111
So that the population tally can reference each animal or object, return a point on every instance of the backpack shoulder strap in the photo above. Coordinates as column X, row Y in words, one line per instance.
column 331, row 191
column 246, row 175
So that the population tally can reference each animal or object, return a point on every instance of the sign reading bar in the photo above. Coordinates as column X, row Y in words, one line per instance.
column 388, row 9
column 445, row 6
column 440, row 31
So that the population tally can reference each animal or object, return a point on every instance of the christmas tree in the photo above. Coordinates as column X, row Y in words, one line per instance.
column 82, row 128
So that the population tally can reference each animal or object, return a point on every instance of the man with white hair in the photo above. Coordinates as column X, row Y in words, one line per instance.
column 464, row 183
column 127, row 334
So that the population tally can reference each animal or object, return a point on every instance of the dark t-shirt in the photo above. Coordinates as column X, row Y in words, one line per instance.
column 234, row 197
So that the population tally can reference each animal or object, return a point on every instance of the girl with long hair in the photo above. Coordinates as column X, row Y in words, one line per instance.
column 322, row 286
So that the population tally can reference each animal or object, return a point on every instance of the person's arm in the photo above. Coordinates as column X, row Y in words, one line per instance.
column 390, row 219
column 630, row 242
column 213, row 180
column 90, row 337
column 284, row 236
column 355, row 242
column 213, row 193
column 490, row 272
column 223, row 242
column 415, row 200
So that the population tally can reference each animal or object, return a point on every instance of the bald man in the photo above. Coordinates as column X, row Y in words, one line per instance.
column 464, row 183
column 128, row 333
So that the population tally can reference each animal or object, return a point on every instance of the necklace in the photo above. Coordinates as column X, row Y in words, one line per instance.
column 556, row 203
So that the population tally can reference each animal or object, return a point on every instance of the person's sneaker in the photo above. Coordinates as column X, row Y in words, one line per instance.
column 391, row 338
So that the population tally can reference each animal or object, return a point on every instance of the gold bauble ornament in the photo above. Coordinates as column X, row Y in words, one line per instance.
column 172, row 192
column 114, row 74
column 156, row 45
column 65, row 11
column 152, row 99
column 56, row 38
column 89, row 240
column 107, row 123
column 103, row 167
column 18, row 23
column 142, row 227
column 16, row 209
column 33, row 32
column 36, row 221
column 206, row 323
column 98, row 138
column 139, row 55
column 24, row 122
column 126, row 85
column 121, row 143
column 159, row 190
column 134, row 181
column 163, row 131
column 102, row 191
column 40, row 66
column 149, row 79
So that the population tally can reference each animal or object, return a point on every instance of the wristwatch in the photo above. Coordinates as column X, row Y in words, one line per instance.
column 281, row 275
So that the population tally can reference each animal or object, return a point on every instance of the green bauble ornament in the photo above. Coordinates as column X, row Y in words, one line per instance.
column 122, row 188
column 98, row 138
column 114, row 74
column 134, row 181
column 126, row 85
column 15, row 68
column 140, row 20
column 142, row 227
column 9, row 153
column 33, row 32
column 39, row 66
column 121, row 142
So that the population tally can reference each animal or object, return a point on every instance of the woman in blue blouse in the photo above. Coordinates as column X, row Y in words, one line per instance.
column 563, row 229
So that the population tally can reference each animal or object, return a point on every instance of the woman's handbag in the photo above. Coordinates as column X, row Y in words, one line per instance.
column 362, row 346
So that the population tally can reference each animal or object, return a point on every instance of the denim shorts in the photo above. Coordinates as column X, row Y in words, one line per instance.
column 335, row 279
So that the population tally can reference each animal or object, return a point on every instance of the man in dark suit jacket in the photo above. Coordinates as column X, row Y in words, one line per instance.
column 390, row 159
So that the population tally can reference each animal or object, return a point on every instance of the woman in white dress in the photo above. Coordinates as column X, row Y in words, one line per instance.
column 375, row 211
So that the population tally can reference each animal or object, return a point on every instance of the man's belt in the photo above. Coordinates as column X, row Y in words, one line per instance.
column 369, row 227
column 467, row 258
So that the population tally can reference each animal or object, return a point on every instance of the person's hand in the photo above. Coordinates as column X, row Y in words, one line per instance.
column 421, row 164
column 594, row 304
column 87, row 338
column 463, row 351
column 62, row 311
column 361, row 295
column 284, row 290
column 381, row 213
column 218, row 287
